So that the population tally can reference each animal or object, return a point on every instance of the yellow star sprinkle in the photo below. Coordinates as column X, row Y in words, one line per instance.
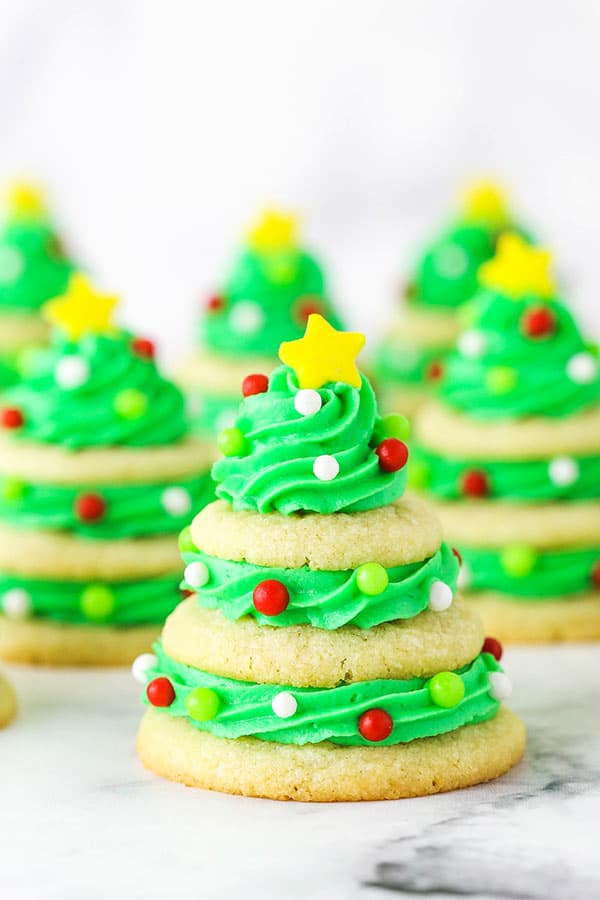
column 518, row 269
column 323, row 355
column 483, row 201
column 25, row 200
column 275, row 230
column 81, row 310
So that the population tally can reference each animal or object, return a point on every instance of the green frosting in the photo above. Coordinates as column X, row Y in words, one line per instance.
column 131, row 511
column 498, row 372
column 323, row 599
column 540, row 577
column 442, row 476
column 33, row 265
column 210, row 413
column 91, row 414
column 396, row 362
column 276, row 472
column 330, row 714
column 117, row 603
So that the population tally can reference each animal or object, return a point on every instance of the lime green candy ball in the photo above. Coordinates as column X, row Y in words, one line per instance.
column 202, row 704
column 518, row 560
column 13, row 489
column 371, row 579
column 131, row 404
column 97, row 602
column 501, row 379
column 392, row 426
column 418, row 474
column 186, row 544
column 446, row 689
column 231, row 442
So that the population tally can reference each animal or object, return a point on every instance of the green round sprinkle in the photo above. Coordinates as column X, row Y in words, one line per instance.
column 446, row 689
column 371, row 579
column 13, row 489
column 501, row 379
column 97, row 602
column 518, row 560
column 392, row 426
column 186, row 544
column 231, row 442
column 202, row 704
column 418, row 474
column 131, row 404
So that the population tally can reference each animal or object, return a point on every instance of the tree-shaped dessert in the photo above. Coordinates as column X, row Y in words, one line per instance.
column 33, row 268
column 98, row 472
column 323, row 654
column 511, row 454
column 273, row 287
column 410, row 360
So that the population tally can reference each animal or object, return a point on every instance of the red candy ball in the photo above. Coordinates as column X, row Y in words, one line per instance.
column 491, row 645
column 11, row 417
column 255, row 384
column 90, row 507
column 393, row 455
column 271, row 597
column 457, row 555
column 435, row 371
column 160, row 692
column 375, row 725
column 306, row 306
column 215, row 303
column 596, row 574
column 475, row 483
column 143, row 347
column 538, row 322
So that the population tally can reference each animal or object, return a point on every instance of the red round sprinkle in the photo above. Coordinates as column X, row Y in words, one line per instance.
column 393, row 455
column 306, row 306
column 474, row 483
column 375, row 724
column 271, row 597
column 215, row 303
column 457, row 555
column 160, row 692
column 90, row 507
column 11, row 417
column 255, row 384
column 596, row 574
column 538, row 322
column 185, row 593
column 143, row 347
column 435, row 370
column 491, row 645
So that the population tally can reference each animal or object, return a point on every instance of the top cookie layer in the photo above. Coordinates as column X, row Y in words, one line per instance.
column 222, row 375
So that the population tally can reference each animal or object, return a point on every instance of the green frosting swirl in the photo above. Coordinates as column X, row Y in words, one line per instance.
column 322, row 599
column 515, row 375
column 276, row 474
column 90, row 414
column 330, row 714
column 527, row 480
column 33, row 265
column 548, row 575
column 397, row 363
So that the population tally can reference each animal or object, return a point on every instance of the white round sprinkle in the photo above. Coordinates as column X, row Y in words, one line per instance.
column 464, row 576
column 246, row 317
column 71, row 372
column 563, row 471
column 307, row 402
column 440, row 596
column 450, row 260
column 500, row 686
column 284, row 705
column 141, row 665
column 326, row 467
column 176, row 501
column 196, row 574
column 16, row 603
column 582, row 368
column 472, row 343
column 12, row 264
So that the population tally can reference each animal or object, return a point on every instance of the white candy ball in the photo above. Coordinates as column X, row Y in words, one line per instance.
column 12, row 264
column 440, row 596
column 71, row 371
column 307, row 402
column 472, row 343
column 582, row 368
column 196, row 574
column 563, row 471
column 464, row 576
column 500, row 686
column 141, row 665
column 16, row 603
column 176, row 501
column 246, row 317
column 326, row 467
column 284, row 705
column 450, row 260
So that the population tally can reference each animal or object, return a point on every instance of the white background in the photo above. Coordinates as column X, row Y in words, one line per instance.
column 162, row 126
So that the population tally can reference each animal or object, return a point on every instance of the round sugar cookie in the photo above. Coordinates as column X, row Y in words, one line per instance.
column 8, row 702
column 325, row 772
column 403, row 532
column 312, row 657
column 21, row 329
column 515, row 621
column 426, row 328
column 222, row 375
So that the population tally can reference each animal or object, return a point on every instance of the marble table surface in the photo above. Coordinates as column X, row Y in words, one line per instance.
column 81, row 820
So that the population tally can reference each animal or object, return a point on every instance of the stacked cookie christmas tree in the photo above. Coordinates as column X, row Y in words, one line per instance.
column 272, row 288
column 410, row 360
column 33, row 268
column 98, row 472
column 511, row 454
column 323, row 655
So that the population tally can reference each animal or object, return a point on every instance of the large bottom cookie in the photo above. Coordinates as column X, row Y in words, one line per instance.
column 8, row 702
column 173, row 748
column 539, row 621
column 43, row 642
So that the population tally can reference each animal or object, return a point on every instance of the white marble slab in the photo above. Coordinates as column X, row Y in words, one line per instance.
column 81, row 820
